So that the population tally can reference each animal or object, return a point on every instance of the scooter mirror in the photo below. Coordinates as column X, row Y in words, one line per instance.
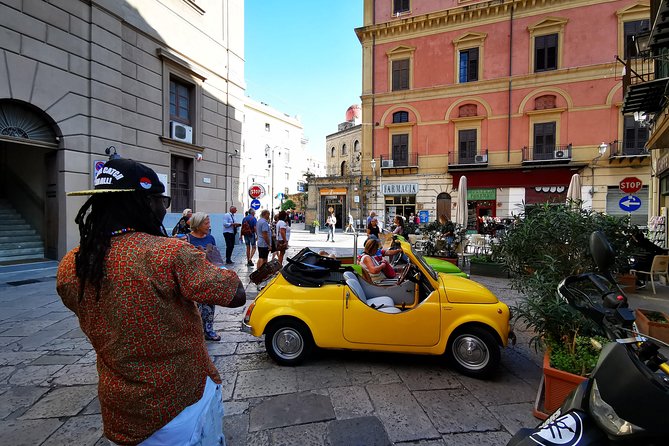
column 602, row 251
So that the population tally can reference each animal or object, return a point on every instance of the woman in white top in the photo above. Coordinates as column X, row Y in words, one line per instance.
column 282, row 235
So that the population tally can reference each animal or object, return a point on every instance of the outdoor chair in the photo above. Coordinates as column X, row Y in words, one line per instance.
column 659, row 267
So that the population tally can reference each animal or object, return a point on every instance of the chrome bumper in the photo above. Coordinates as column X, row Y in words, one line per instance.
column 245, row 328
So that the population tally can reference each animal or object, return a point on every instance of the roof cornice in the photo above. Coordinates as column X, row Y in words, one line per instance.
column 459, row 17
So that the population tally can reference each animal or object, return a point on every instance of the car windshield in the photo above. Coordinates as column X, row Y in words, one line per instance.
column 427, row 267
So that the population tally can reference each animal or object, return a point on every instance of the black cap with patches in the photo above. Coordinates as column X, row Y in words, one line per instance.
column 124, row 175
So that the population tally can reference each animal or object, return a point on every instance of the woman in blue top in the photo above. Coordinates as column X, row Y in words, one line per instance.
column 199, row 236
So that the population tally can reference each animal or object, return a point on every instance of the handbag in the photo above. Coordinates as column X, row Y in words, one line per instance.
column 281, row 245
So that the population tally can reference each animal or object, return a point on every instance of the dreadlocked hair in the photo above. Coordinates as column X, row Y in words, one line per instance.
column 97, row 219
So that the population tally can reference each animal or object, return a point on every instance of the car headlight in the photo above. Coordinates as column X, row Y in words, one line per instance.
column 607, row 418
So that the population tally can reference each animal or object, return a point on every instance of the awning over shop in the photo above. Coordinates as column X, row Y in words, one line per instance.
column 647, row 97
column 559, row 176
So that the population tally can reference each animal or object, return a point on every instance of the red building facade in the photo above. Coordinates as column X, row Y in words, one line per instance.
column 516, row 95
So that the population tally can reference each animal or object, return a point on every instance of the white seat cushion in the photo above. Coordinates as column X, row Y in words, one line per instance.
column 385, row 301
column 389, row 310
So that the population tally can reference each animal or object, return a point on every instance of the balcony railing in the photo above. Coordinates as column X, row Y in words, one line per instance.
column 547, row 153
column 644, row 83
column 455, row 159
column 411, row 160
column 627, row 148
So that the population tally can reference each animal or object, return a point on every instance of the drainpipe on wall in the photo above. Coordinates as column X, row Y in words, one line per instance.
column 508, row 130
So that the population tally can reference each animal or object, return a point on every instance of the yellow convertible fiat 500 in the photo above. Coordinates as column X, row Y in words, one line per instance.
column 314, row 301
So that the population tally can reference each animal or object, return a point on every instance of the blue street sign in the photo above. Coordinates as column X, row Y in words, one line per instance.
column 630, row 203
column 424, row 216
column 255, row 204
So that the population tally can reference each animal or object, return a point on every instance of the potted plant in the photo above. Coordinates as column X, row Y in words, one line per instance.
column 314, row 227
column 486, row 265
column 545, row 244
column 653, row 323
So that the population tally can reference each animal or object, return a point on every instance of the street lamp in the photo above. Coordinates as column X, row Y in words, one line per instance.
column 271, row 165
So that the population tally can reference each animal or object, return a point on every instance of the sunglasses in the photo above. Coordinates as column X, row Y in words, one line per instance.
column 164, row 199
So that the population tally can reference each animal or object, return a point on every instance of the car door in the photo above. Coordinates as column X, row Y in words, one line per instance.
column 419, row 326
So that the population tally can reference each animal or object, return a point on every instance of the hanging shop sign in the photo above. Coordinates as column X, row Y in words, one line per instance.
column 399, row 188
column 481, row 194
column 334, row 191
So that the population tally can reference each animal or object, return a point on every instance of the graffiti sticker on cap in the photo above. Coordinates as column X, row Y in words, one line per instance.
column 145, row 183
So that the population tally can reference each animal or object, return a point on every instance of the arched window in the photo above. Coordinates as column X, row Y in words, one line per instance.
column 343, row 169
column 343, row 149
column 356, row 146
column 332, row 152
column 400, row 116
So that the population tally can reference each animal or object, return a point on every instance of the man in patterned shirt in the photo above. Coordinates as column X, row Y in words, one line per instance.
column 134, row 291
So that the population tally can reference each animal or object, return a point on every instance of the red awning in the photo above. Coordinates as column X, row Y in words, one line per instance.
column 552, row 176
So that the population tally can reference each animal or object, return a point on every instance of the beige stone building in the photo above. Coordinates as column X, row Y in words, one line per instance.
column 161, row 82
column 341, row 188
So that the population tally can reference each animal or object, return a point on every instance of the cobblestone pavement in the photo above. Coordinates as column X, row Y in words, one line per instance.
column 48, row 379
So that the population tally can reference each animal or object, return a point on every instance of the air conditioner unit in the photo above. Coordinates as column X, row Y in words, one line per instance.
column 386, row 163
column 181, row 132
column 481, row 159
column 561, row 154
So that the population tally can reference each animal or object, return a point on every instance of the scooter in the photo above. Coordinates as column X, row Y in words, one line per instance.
column 625, row 401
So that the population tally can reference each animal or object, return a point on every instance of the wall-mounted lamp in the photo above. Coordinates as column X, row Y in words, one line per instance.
column 198, row 157
column 111, row 151
column 602, row 148
column 373, row 164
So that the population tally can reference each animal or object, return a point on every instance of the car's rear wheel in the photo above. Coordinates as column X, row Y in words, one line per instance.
column 474, row 351
column 288, row 342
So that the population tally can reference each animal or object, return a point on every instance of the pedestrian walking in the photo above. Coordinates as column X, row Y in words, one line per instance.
column 330, row 223
column 134, row 290
column 230, row 227
column 264, row 234
column 282, row 235
column 247, row 233
column 200, row 237
column 350, row 225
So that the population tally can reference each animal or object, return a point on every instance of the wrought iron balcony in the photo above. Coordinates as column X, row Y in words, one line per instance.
column 645, row 83
column 409, row 160
column 627, row 149
column 547, row 154
column 458, row 161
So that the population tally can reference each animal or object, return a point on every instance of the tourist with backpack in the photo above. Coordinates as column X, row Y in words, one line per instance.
column 248, row 235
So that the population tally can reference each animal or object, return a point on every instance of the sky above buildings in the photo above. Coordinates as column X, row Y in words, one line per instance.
column 303, row 58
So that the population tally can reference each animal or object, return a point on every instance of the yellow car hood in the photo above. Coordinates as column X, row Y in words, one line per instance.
column 465, row 291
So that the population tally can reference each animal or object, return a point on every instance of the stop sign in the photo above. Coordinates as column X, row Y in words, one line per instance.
column 630, row 185
column 256, row 191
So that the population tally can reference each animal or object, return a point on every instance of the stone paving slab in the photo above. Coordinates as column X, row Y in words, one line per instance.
column 401, row 415
column 364, row 431
column 17, row 398
column 81, row 430
column 289, row 410
column 265, row 382
column 351, row 402
column 62, row 401
column 451, row 411
column 28, row 432
column 33, row 375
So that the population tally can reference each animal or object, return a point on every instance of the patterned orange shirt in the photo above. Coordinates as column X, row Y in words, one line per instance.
column 152, row 360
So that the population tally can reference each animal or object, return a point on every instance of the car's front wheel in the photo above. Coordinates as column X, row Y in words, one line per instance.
column 288, row 342
column 474, row 351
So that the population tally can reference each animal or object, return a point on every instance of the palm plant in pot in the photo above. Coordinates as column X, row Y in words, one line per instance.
column 547, row 243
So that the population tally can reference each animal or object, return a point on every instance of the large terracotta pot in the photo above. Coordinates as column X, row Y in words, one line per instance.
column 557, row 385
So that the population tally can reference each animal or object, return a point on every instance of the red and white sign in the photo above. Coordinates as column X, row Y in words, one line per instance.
column 256, row 191
column 630, row 185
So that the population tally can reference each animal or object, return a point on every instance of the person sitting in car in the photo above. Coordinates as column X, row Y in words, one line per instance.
column 373, row 262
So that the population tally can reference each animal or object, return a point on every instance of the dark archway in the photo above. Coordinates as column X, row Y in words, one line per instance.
column 29, row 140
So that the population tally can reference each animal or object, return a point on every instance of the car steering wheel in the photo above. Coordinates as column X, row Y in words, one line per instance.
column 404, row 274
